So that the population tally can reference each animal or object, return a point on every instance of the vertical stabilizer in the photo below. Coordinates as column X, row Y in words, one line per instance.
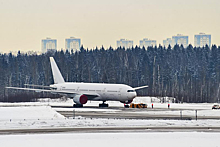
column 57, row 77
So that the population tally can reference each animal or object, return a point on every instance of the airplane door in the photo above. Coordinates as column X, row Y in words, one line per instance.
column 103, row 92
column 119, row 93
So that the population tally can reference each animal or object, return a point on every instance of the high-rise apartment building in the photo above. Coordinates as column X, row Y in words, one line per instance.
column 73, row 44
column 48, row 44
column 124, row 43
column 147, row 42
column 202, row 40
column 180, row 40
column 167, row 42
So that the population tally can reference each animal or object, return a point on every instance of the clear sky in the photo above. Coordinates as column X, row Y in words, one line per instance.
column 23, row 23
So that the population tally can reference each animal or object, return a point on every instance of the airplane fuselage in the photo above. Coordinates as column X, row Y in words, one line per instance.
column 106, row 92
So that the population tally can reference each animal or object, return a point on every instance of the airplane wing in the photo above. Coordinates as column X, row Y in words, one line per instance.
column 41, row 86
column 136, row 88
column 69, row 93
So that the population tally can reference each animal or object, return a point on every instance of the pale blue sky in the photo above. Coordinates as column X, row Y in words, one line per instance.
column 23, row 23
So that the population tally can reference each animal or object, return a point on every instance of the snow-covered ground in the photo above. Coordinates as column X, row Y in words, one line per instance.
column 41, row 115
column 176, row 139
column 30, row 113
column 53, row 122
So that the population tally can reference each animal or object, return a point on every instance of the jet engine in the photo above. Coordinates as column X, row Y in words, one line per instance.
column 80, row 99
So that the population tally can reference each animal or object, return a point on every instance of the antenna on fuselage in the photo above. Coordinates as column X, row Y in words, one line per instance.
column 57, row 76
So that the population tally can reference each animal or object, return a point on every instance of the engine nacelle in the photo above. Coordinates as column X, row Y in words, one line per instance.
column 126, row 102
column 80, row 99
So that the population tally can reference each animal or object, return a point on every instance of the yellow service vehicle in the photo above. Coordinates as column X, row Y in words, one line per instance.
column 140, row 105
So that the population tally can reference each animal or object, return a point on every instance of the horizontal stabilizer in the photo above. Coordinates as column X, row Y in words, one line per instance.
column 136, row 88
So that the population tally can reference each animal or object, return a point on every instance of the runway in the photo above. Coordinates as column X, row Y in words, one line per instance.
column 121, row 115
column 109, row 130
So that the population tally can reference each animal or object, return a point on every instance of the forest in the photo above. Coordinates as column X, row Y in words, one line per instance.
column 190, row 74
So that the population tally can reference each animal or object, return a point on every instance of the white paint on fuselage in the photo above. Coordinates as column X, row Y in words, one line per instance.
column 107, row 92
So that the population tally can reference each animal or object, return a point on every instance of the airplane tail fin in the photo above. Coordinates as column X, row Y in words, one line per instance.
column 57, row 77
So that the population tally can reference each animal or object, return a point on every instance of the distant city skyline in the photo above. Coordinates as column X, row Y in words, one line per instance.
column 147, row 42
column 167, row 42
column 202, row 39
column 124, row 43
column 25, row 23
column 177, row 39
column 48, row 44
column 72, row 43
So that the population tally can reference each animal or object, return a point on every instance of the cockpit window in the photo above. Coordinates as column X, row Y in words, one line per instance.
column 130, row 91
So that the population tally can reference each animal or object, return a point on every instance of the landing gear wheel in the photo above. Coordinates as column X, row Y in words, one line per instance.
column 103, row 105
column 77, row 105
column 126, row 106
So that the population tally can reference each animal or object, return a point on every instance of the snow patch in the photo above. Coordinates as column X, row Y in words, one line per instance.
column 26, row 113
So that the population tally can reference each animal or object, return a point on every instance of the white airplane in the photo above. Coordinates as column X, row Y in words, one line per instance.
column 82, row 92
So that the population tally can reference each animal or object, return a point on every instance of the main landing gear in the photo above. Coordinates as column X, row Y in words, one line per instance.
column 103, row 104
column 77, row 105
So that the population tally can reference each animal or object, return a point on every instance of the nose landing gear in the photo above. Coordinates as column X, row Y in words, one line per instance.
column 126, row 105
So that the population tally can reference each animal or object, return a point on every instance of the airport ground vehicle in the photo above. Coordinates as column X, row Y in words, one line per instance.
column 141, row 105
column 216, row 106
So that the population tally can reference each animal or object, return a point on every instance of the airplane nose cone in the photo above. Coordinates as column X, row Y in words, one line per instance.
column 133, row 95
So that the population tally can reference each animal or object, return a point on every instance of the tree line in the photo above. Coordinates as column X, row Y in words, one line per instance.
column 190, row 74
